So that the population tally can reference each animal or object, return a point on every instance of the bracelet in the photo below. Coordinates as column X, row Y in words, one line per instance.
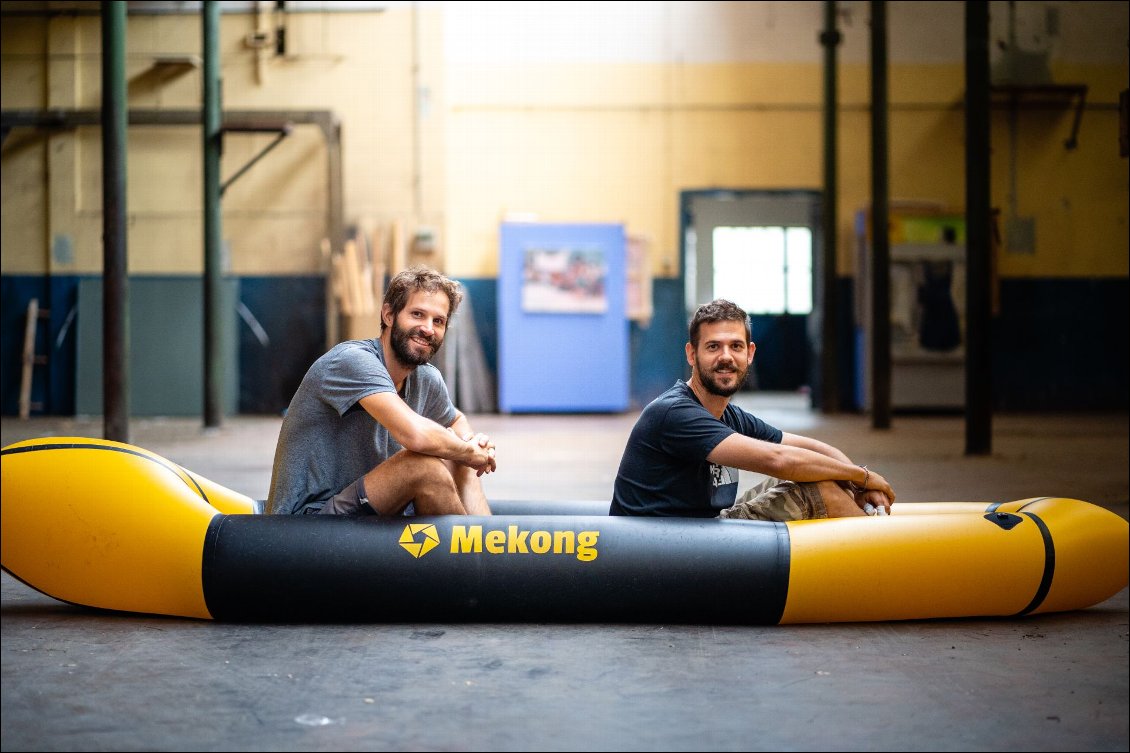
column 855, row 488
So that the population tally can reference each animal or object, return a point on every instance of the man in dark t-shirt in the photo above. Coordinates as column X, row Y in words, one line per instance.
column 684, row 453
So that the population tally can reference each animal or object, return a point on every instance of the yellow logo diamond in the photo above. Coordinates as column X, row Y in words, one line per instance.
column 419, row 549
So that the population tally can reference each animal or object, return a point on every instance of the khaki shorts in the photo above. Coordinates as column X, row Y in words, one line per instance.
column 777, row 500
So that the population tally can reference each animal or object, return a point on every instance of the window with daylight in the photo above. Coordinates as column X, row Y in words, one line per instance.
column 765, row 270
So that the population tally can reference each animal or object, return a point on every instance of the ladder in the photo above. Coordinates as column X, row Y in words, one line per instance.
column 30, row 358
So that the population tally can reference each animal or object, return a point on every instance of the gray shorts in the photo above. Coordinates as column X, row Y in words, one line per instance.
column 351, row 500
column 777, row 500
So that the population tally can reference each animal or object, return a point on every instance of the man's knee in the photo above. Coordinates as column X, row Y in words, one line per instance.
column 838, row 502
column 438, row 468
column 411, row 477
column 831, row 490
column 428, row 474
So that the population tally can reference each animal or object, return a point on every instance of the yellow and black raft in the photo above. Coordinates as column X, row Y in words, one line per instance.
column 112, row 526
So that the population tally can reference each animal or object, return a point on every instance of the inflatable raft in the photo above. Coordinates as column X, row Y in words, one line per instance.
column 113, row 526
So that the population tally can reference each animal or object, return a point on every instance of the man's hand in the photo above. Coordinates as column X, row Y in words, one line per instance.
column 873, row 502
column 484, row 461
column 875, row 482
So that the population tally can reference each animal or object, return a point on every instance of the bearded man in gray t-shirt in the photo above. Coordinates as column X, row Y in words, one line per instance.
column 372, row 429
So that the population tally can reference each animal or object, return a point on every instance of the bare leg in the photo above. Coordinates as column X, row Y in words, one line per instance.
column 411, row 477
column 469, row 488
column 838, row 502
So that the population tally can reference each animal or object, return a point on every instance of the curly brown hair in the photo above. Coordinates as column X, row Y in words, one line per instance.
column 718, row 310
column 414, row 279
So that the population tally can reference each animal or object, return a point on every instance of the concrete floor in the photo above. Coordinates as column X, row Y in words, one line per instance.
column 74, row 679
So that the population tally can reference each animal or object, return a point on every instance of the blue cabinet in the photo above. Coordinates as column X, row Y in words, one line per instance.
column 563, row 331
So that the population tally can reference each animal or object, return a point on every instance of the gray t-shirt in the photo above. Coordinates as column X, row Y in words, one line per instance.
column 328, row 440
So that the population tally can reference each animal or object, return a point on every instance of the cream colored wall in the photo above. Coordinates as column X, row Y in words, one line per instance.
column 358, row 65
column 457, row 115
column 551, row 116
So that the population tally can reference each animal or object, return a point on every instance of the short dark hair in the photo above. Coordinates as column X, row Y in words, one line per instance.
column 415, row 279
column 718, row 310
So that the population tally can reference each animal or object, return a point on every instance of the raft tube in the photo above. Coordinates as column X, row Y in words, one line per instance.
column 112, row 526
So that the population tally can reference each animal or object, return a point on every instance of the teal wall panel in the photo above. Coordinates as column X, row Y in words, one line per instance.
column 166, row 356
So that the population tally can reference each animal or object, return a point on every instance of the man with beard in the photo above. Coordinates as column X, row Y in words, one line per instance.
column 372, row 429
column 684, row 453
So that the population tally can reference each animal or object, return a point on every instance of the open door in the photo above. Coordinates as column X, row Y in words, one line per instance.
column 757, row 248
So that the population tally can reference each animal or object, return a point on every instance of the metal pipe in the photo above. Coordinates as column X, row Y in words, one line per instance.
column 115, row 259
column 335, row 178
column 829, row 361
column 213, row 228
column 880, row 221
column 280, row 28
column 978, row 228
column 282, row 134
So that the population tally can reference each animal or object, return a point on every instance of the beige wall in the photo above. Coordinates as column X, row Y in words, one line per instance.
column 553, row 115
column 358, row 65
column 457, row 115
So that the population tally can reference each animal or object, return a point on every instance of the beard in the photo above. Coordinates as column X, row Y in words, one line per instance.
column 709, row 381
column 410, row 353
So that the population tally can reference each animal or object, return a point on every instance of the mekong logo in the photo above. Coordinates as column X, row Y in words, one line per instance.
column 420, row 538
column 430, row 539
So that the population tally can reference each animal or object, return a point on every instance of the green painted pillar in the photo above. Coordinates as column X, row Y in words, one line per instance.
column 213, row 221
column 115, row 266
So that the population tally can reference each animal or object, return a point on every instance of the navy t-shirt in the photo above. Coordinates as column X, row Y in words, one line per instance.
column 664, row 470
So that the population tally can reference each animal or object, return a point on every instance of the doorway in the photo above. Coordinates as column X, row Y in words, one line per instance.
column 758, row 249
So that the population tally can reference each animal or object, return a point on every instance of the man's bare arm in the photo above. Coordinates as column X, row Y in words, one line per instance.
column 794, row 463
column 863, row 497
column 808, row 443
column 419, row 434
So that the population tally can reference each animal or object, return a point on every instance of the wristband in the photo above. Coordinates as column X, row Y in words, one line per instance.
column 857, row 488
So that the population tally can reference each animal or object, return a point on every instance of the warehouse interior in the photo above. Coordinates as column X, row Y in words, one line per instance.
column 281, row 160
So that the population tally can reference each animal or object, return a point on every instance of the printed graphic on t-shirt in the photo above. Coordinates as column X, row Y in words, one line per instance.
column 724, row 481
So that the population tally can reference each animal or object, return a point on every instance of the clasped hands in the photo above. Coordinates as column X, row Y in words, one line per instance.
column 484, row 443
column 876, row 498
column 873, row 501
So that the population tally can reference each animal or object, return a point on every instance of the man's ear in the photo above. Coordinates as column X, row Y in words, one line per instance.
column 752, row 350
column 386, row 314
column 690, row 355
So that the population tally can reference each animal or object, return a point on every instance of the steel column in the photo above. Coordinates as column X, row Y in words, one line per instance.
column 880, row 221
column 978, row 301
column 115, row 259
column 213, row 227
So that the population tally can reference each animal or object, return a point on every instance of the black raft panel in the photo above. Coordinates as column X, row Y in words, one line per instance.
column 529, row 568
